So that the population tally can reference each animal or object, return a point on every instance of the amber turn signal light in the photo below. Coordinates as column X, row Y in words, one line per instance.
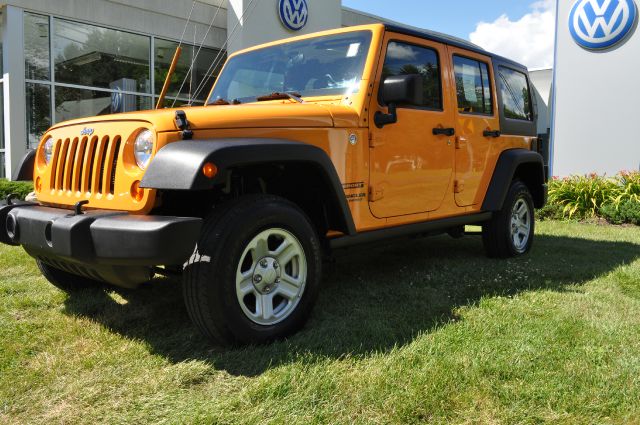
column 137, row 193
column 210, row 170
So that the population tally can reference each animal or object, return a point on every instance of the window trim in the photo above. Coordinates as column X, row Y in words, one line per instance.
column 489, row 75
column 530, row 97
column 416, row 107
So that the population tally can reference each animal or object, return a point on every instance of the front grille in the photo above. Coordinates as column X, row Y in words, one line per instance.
column 85, row 165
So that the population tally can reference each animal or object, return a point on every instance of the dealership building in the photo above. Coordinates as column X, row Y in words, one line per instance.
column 65, row 59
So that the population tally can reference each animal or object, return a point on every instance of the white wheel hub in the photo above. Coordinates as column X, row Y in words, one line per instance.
column 271, row 277
column 521, row 219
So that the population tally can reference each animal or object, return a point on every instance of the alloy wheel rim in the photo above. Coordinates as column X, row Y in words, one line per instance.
column 271, row 277
column 520, row 225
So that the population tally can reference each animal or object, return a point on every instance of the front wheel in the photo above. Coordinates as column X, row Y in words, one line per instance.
column 256, row 271
column 511, row 230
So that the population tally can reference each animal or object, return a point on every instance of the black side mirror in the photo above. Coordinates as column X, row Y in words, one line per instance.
column 399, row 90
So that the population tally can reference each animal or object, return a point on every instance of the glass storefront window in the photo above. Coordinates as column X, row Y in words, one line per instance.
column 1, row 115
column 38, row 112
column 1, row 42
column 36, row 47
column 164, row 51
column 2, row 164
column 88, row 55
column 74, row 103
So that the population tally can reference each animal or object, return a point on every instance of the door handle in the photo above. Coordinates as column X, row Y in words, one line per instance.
column 489, row 133
column 444, row 132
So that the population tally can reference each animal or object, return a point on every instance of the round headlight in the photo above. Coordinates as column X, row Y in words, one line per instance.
column 143, row 148
column 47, row 150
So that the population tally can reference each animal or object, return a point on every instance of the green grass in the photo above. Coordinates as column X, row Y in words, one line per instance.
column 407, row 332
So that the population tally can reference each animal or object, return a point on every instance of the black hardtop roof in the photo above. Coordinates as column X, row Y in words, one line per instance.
column 450, row 40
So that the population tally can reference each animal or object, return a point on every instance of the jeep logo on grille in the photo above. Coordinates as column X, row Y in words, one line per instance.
column 86, row 132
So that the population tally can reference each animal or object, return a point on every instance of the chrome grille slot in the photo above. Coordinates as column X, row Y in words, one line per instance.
column 62, row 162
column 114, row 165
column 101, row 165
column 69, row 165
column 54, row 163
column 89, row 161
column 78, row 166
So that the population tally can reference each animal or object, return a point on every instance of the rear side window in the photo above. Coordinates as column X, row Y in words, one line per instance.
column 473, row 88
column 516, row 95
column 408, row 59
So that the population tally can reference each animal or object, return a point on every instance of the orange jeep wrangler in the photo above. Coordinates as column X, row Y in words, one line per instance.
column 305, row 145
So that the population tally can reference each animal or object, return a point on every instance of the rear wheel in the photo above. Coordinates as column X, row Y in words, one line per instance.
column 511, row 230
column 65, row 281
column 256, row 271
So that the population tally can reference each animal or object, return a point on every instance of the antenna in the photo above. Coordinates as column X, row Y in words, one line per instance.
column 167, row 81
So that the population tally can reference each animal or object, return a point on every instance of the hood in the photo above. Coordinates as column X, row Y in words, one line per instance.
column 256, row 115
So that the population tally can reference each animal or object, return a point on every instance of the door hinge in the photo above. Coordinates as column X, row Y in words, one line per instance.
column 375, row 139
column 375, row 194
column 461, row 142
column 458, row 186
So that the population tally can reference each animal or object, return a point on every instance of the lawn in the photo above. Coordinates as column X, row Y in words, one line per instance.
column 407, row 332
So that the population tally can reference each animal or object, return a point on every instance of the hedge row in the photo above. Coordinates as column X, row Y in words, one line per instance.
column 616, row 199
column 22, row 189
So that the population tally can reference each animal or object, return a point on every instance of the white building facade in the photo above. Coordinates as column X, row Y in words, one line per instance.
column 595, row 118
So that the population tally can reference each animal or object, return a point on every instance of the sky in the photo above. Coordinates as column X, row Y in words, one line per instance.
column 522, row 30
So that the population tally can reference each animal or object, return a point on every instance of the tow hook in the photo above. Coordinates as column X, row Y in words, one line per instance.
column 77, row 208
column 183, row 124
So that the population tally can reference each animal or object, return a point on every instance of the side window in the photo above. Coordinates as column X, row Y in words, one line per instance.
column 408, row 59
column 472, row 86
column 516, row 95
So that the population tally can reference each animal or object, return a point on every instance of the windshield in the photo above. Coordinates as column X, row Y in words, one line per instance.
column 322, row 66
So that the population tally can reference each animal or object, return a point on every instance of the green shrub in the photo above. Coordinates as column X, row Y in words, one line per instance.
column 627, row 211
column 582, row 196
column 551, row 211
column 628, row 188
column 22, row 189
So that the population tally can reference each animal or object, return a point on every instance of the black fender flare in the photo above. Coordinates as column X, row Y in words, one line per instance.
column 516, row 163
column 24, row 171
column 178, row 166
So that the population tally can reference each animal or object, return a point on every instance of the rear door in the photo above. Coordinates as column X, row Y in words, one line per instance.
column 476, row 120
column 411, row 168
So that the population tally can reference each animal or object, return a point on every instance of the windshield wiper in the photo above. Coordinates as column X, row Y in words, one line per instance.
column 281, row 96
column 224, row 102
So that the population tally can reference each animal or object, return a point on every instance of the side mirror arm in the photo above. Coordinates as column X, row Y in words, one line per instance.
column 382, row 119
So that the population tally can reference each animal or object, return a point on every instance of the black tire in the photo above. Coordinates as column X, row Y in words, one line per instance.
column 497, row 235
column 65, row 281
column 209, row 278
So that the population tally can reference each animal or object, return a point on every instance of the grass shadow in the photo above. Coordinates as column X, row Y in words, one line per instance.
column 374, row 298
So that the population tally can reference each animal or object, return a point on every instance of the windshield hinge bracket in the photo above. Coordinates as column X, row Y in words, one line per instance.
column 183, row 125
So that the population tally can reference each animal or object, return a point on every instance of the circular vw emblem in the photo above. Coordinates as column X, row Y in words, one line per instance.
column 116, row 101
column 600, row 24
column 294, row 13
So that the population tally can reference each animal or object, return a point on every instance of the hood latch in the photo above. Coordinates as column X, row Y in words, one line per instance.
column 183, row 124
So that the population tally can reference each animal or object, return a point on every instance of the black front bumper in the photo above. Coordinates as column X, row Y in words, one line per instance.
column 99, row 240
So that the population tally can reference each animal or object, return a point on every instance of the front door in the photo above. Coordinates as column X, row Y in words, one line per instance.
column 477, row 122
column 411, row 168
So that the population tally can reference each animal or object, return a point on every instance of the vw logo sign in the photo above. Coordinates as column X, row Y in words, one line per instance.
column 294, row 14
column 601, row 24
column 116, row 101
